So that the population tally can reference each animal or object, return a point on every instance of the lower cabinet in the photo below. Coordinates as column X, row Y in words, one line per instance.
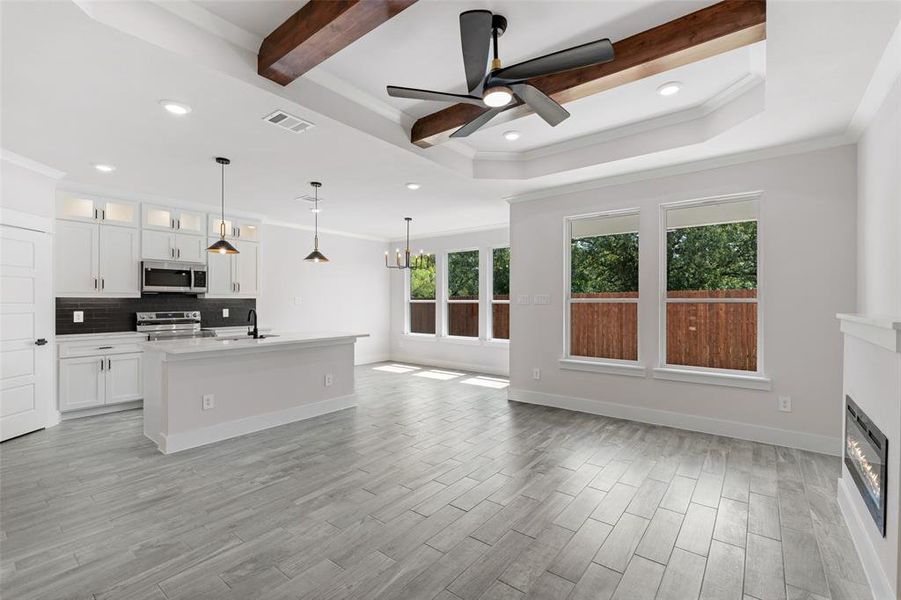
column 91, row 381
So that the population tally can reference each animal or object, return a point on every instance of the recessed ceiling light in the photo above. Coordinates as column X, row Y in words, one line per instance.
column 670, row 88
column 413, row 186
column 176, row 108
column 511, row 136
column 104, row 168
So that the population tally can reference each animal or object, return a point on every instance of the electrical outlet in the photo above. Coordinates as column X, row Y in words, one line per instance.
column 523, row 299
column 224, row 313
column 78, row 316
column 298, row 300
column 536, row 373
column 209, row 401
column 329, row 379
column 785, row 403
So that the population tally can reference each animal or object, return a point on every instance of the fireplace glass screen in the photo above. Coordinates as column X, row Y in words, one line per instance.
column 866, row 453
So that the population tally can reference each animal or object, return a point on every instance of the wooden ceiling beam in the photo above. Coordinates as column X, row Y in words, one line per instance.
column 317, row 31
column 707, row 32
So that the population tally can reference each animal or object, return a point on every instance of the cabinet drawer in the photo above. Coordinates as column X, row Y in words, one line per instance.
column 98, row 348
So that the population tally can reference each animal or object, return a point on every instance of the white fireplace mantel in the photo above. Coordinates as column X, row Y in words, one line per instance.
column 880, row 330
column 872, row 377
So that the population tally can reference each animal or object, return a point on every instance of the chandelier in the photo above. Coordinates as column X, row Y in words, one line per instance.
column 422, row 261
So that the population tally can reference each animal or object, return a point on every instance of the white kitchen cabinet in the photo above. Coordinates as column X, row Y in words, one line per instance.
column 123, row 378
column 76, row 248
column 234, row 275
column 82, row 383
column 92, row 209
column 162, row 218
column 247, row 267
column 119, row 258
column 161, row 245
column 236, row 228
column 96, row 260
column 96, row 370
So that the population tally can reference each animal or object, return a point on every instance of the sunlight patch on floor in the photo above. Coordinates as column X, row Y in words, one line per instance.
column 396, row 368
column 489, row 382
column 436, row 374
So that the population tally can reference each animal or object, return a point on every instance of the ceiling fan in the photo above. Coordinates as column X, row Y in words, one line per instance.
column 478, row 29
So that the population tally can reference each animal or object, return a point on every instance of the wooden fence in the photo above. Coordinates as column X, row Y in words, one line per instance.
column 720, row 335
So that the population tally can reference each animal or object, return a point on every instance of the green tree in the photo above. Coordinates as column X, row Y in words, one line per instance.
column 501, row 271
column 604, row 263
column 422, row 282
column 712, row 257
column 463, row 274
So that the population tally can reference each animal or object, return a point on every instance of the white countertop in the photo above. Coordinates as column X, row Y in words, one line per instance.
column 74, row 337
column 200, row 346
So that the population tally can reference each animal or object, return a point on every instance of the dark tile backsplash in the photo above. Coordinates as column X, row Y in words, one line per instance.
column 107, row 315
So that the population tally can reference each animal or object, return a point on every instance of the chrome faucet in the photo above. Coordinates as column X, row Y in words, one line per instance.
column 255, row 332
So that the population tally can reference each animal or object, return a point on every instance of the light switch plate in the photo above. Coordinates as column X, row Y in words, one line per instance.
column 785, row 403
column 209, row 401
column 329, row 379
column 78, row 316
column 224, row 313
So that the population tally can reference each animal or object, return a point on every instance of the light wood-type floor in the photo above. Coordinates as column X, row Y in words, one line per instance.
column 429, row 489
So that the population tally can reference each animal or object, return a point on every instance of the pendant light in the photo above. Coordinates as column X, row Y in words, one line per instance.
column 316, row 256
column 423, row 261
column 221, row 246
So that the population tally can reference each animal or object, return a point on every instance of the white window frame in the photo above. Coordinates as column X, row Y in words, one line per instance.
column 589, row 363
column 491, row 300
column 728, row 377
column 410, row 300
column 448, row 301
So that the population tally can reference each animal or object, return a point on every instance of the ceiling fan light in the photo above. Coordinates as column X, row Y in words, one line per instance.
column 497, row 96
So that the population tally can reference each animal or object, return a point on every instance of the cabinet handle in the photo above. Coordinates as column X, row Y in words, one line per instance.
column 178, row 224
column 101, row 364
column 178, row 253
column 95, row 214
column 104, row 347
column 103, row 215
column 102, row 283
column 40, row 342
column 239, row 231
column 95, row 281
column 109, row 365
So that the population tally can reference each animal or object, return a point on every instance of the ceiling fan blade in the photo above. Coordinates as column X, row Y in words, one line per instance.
column 478, row 122
column 417, row 94
column 475, row 38
column 547, row 109
column 592, row 53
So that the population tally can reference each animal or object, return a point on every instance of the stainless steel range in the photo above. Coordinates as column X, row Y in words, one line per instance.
column 171, row 325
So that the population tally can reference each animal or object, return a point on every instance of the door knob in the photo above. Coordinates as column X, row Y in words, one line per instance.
column 40, row 342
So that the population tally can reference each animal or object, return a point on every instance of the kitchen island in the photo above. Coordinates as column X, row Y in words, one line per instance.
column 203, row 390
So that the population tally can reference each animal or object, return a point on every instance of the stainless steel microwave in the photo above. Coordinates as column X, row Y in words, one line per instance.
column 163, row 276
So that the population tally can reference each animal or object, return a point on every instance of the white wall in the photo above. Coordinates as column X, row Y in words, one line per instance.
column 481, row 355
column 27, row 186
column 879, row 211
column 807, row 227
column 350, row 293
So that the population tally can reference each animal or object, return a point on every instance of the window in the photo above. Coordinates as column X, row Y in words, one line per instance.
column 422, row 300
column 463, row 293
column 500, row 294
column 602, row 303
column 710, row 307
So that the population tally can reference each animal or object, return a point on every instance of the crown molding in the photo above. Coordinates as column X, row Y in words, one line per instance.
column 211, row 23
column 31, row 165
column 885, row 77
column 686, row 167
column 453, row 232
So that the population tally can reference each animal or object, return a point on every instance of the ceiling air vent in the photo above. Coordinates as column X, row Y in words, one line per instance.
column 282, row 119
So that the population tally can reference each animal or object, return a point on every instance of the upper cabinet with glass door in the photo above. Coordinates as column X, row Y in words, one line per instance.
column 86, row 208
column 236, row 228
column 164, row 218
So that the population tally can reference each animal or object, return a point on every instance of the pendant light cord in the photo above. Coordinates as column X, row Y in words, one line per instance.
column 316, row 219
column 222, row 222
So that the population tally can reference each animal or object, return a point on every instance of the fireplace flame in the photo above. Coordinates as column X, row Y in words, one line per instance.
column 863, row 464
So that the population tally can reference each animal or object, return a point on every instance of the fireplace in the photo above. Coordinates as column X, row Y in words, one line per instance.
column 866, row 456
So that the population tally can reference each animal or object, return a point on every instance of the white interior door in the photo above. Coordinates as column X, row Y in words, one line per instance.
column 26, row 364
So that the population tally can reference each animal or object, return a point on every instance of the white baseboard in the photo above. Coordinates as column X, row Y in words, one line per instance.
column 450, row 364
column 879, row 582
column 177, row 442
column 371, row 358
column 755, row 433
column 101, row 410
